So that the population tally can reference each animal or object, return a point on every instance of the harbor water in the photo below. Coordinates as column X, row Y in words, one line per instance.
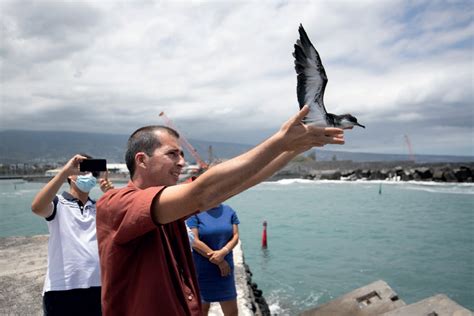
column 327, row 238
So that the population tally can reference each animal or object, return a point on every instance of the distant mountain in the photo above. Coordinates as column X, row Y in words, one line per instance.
column 20, row 146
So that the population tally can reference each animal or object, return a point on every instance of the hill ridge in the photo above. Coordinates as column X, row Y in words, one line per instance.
column 26, row 146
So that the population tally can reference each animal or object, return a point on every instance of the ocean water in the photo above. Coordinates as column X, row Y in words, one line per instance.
column 328, row 238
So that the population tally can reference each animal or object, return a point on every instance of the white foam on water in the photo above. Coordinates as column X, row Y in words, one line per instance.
column 275, row 309
column 292, row 181
column 427, row 186
column 276, row 298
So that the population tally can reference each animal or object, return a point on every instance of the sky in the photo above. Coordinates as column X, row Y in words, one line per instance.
column 224, row 70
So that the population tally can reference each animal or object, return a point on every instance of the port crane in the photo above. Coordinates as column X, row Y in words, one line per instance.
column 184, row 142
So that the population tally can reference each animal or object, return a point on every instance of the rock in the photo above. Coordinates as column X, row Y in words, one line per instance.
column 449, row 176
column 384, row 174
column 462, row 173
column 330, row 175
column 438, row 175
column 406, row 175
column 424, row 173
column 376, row 175
column 357, row 174
column 365, row 173
column 416, row 176
column 347, row 173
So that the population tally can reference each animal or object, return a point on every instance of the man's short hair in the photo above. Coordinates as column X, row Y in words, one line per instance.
column 144, row 140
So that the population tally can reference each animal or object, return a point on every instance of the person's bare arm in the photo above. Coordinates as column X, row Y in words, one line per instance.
column 276, row 164
column 42, row 203
column 199, row 246
column 217, row 256
column 204, row 250
column 225, row 180
column 267, row 171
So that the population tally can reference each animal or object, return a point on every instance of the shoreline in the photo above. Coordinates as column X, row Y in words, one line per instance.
column 395, row 171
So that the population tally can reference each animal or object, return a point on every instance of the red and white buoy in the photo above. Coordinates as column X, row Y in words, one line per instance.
column 264, row 235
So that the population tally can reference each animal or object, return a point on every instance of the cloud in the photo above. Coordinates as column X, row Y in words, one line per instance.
column 223, row 71
column 35, row 33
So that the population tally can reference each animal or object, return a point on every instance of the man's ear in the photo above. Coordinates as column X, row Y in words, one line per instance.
column 141, row 159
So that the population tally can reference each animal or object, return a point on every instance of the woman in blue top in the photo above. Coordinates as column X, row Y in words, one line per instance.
column 215, row 235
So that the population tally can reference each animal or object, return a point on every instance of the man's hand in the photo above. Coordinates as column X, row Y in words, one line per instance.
column 299, row 137
column 42, row 203
column 72, row 166
column 105, row 184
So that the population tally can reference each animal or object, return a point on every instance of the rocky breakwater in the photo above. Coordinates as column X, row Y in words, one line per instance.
column 395, row 171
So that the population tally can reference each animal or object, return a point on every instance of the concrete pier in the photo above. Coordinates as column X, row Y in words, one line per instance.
column 378, row 298
column 438, row 305
column 23, row 262
column 373, row 299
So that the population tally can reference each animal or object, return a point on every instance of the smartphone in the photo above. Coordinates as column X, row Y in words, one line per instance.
column 93, row 165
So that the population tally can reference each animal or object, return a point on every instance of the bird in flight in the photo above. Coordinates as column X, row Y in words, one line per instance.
column 312, row 81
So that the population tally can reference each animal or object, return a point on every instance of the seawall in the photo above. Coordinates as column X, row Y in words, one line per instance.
column 23, row 262
column 392, row 170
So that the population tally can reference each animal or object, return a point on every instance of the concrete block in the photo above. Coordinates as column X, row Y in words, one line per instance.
column 373, row 299
column 438, row 305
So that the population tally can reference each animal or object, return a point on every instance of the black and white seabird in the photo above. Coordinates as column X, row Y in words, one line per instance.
column 312, row 81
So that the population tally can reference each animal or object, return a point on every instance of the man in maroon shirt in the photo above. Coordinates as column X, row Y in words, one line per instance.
column 146, row 264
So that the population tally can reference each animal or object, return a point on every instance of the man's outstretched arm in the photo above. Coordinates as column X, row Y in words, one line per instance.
column 233, row 176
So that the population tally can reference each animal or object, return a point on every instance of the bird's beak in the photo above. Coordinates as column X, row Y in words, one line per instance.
column 360, row 125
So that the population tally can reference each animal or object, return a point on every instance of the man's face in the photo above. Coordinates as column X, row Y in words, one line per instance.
column 164, row 166
column 83, row 182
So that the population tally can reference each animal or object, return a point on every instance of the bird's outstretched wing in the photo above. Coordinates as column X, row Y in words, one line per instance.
column 312, row 79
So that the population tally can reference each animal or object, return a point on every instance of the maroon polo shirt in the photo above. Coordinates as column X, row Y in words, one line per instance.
column 146, row 269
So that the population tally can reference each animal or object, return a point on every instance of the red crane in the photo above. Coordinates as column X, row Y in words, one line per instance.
column 184, row 142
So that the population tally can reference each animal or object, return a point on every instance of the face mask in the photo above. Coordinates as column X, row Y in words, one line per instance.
column 86, row 183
